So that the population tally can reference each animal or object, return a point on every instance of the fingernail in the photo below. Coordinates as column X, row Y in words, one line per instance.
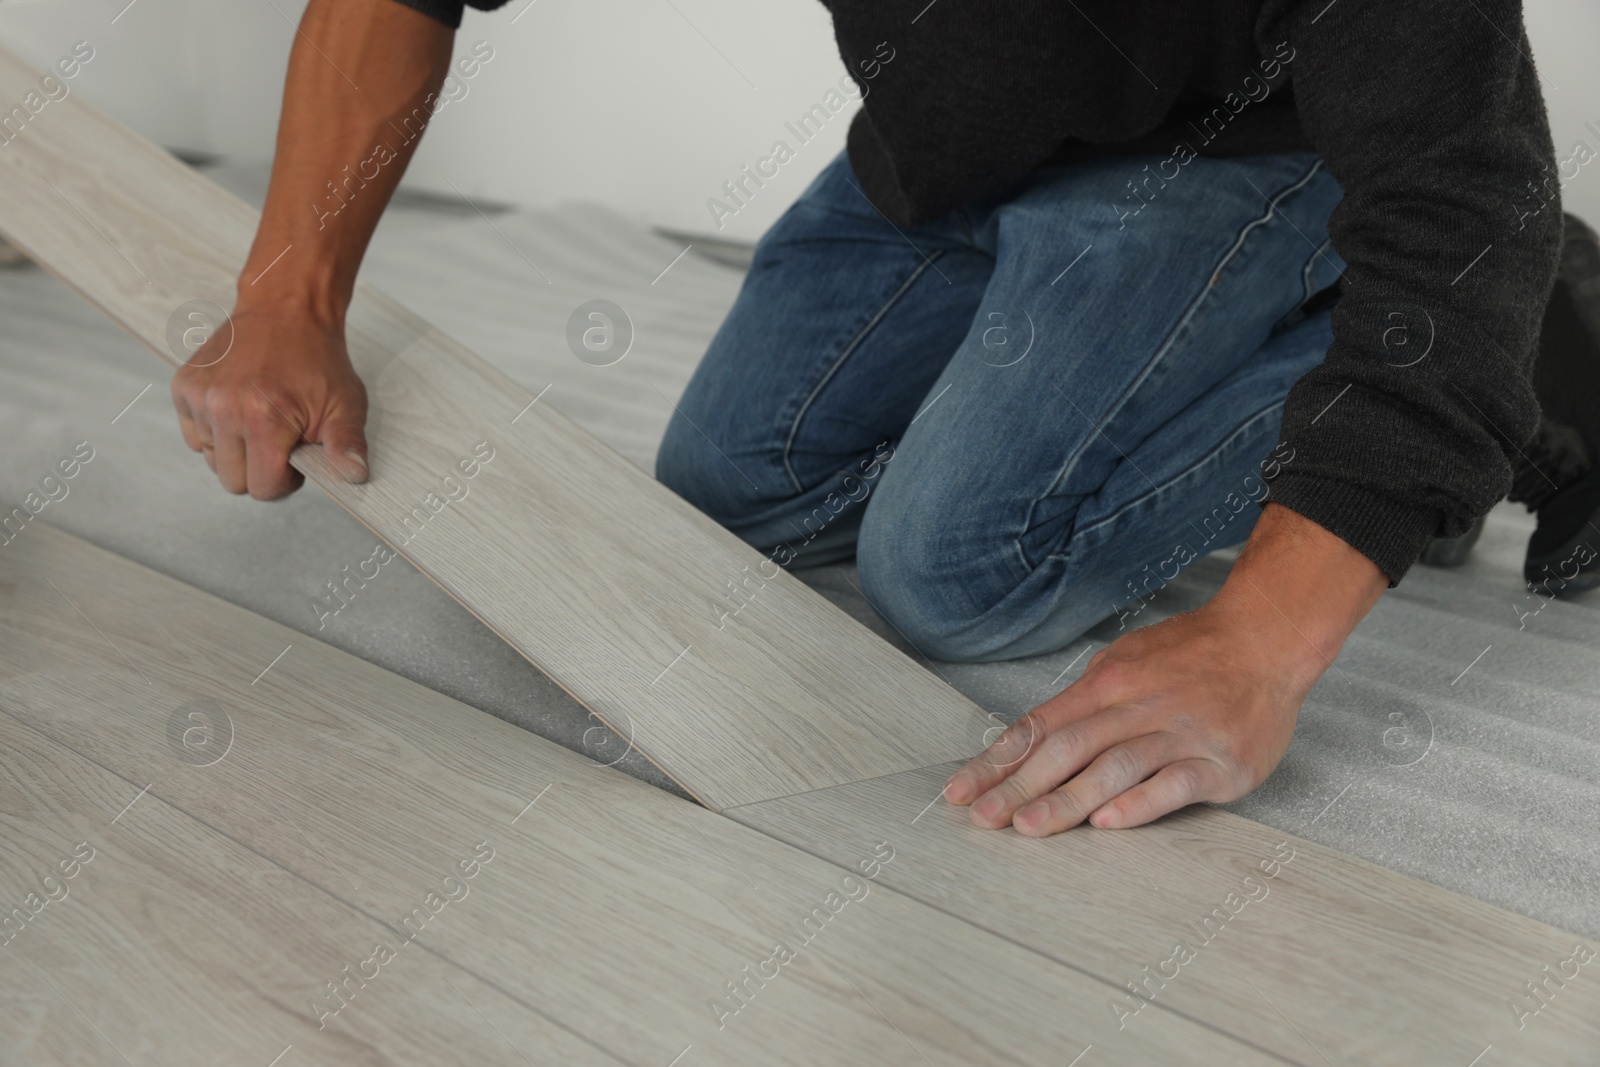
column 359, row 461
column 1028, row 816
column 989, row 806
column 958, row 788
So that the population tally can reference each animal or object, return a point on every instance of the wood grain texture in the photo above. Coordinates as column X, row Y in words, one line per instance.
column 605, row 580
column 1330, row 957
column 175, row 944
column 618, row 914
column 618, row 911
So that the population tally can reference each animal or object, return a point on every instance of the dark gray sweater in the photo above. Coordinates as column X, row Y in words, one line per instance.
column 1427, row 112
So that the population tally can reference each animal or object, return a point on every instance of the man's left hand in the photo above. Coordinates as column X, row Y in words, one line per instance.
column 1198, row 707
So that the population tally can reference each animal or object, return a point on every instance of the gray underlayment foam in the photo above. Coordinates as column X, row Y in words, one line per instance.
column 1485, row 782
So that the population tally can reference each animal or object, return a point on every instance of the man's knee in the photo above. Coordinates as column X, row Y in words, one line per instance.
column 947, row 571
column 937, row 586
column 693, row 467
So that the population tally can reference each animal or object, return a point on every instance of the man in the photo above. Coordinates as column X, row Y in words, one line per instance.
column 1097, row 288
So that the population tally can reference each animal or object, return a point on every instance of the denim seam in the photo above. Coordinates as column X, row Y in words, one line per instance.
column 1202, row 461
column 1311, row 266
column 1156, row 357
column 849, row 349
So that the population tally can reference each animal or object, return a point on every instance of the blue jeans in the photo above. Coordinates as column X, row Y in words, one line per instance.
column 1026, row 416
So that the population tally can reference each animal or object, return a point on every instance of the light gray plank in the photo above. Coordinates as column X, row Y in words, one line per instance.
column 1330, row 958
column 601, row 577
column 172, row 944
column 617, row 910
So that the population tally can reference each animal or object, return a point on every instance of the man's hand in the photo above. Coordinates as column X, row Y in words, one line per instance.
column 251, row 394
column 1198, row 707
column 362, row 86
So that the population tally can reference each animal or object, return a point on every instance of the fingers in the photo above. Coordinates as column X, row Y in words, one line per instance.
column 345, row 444
column 288, row 381
column 268, row 474
column 186, row 423
column 1175, row 786
column 245, row 441
column 270, row 434
column 227, row 458
column 1112, row 773
column 1055, row 759
column 1019, row 740
column 996, row 761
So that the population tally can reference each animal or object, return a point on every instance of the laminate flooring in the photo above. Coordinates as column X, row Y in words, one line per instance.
column 1485, row 784
column 1313, row 953
column 261, row 813
column 154, row 937
column 605, row 580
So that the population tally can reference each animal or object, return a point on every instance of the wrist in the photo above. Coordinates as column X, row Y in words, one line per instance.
column 1300, row 589
column 284, row 277
column 311, row 304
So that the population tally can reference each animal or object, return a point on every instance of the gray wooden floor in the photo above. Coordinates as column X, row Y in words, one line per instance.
column 1489, row 788
column 238, row 863
column 611, row 919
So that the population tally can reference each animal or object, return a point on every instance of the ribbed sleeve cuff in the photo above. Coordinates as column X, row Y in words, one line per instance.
column 1392, row 535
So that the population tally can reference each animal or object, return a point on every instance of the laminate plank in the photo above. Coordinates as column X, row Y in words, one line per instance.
column 605, row 580
column 134, row 930
column 753, row 698
column 1298, row 947
column 618, row 911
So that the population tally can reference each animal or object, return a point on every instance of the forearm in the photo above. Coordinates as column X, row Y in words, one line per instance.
column 361, row 79
column 1198, row 707
column 1300, row 590
column 1407, row 427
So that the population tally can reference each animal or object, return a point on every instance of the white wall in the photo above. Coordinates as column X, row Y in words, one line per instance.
column 1565, row 36
column 624, row 102
column 647, row 106
column 618, row 101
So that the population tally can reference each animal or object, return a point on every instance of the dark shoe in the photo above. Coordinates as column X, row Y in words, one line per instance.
column 1554, row 458
column 1556, row 474
column 1452, row 551
column 1564, row 551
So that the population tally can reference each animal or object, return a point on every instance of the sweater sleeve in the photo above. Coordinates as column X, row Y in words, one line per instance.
column 449, row 11
column 1429, row 115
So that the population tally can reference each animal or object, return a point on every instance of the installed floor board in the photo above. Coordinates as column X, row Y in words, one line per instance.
column 618, row 911
column 332, row 861
column 1483, row 774
column 1328, row 957
column 605, row 580
column 151, row 936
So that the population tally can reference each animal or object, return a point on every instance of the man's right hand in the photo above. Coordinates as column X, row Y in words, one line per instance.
column 250, row 395
column 282, row 375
